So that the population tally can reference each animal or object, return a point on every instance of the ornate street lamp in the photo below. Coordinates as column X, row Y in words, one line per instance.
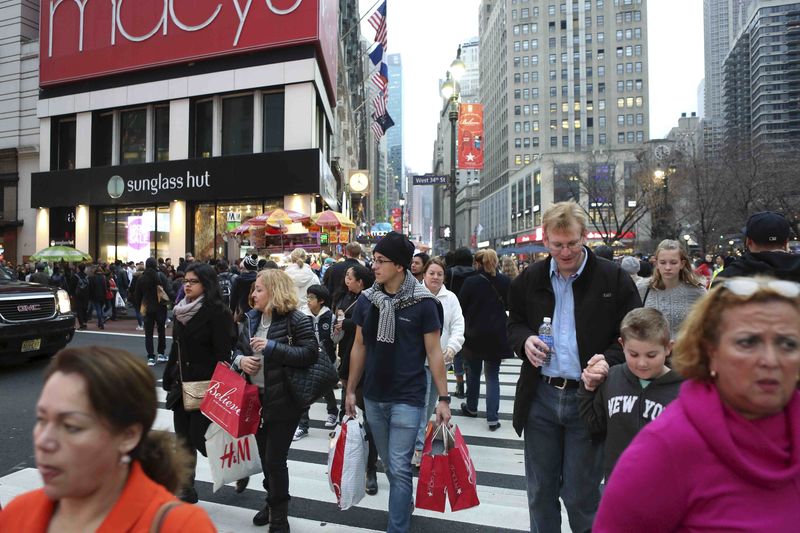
column 450, row 91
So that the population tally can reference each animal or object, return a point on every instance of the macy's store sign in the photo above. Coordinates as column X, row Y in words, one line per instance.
column 87, row 38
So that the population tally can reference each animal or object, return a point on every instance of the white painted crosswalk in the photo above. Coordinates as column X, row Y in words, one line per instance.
column 498, row 458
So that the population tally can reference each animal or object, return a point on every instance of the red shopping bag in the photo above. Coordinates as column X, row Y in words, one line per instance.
column 434, row 474
column 463, row 488
column 232, row 403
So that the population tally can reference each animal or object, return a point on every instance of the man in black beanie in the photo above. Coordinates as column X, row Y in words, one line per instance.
column 398, row 325
column 240, row 292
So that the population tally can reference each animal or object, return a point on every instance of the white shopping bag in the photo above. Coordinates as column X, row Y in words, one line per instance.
column 230, row 458
column 347, row 463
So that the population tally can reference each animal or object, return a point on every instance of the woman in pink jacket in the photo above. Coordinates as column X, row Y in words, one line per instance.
column 725, row 456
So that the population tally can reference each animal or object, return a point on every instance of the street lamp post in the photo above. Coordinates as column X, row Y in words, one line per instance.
column 451, row 91
column 402, row 203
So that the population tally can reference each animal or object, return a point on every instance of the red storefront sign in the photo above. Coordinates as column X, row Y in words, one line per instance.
column 90, row 38
column 531, row 237
column 470, row 136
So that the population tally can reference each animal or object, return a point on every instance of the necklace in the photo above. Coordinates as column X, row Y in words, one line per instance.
column 266, row 324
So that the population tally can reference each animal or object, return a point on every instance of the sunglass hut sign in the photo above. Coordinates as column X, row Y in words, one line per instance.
column 87, row 38
column 119, row 186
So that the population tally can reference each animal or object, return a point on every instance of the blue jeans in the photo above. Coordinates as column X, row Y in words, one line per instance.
column 98, row 310
column 431, row 399
column 394, row 427
column 491, row 370
column 560, row 460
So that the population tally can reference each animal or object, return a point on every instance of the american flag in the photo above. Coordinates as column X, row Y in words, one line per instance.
column 378, row 22
column 379, row 102
column 381, row 78
column 378, row 131
column 377, row 19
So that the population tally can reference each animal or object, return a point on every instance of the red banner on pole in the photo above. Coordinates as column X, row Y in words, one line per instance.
column 470, row 136
column 397, row 219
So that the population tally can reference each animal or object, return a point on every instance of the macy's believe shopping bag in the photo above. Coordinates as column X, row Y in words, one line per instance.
column 230, row 458
column 232, row 403
column 463, row 485
column 347, row 463
column 434, row 470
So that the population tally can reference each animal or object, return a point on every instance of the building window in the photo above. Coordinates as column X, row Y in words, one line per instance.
column 602, row 138
column 132, row 233
column 237, row 125
column 601, row 122
column 102, row 139
column 161, row 127
column 620, row 138
column 202, row 128
column 132, row 136
column 62, row 142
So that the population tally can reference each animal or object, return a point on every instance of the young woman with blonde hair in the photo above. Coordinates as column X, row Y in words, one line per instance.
column 673, row 288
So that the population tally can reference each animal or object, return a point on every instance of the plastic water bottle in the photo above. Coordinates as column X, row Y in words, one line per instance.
column 546, row 334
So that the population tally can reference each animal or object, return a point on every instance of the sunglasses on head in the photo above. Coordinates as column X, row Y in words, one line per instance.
column 749, row 286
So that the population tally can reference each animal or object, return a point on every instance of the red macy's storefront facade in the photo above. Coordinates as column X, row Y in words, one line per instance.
column 164, row 123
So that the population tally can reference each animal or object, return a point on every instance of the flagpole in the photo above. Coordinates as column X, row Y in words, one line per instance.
column 361, row 19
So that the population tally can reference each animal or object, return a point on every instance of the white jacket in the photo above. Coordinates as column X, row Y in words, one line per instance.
column 453, row 330
column 303, row 278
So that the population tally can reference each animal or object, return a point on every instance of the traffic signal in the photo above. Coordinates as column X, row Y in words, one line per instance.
column 444, row 232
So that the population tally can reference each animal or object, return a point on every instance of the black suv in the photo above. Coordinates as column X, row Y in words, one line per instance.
column 34, row 319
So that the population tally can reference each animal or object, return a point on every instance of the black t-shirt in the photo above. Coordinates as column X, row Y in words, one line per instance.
column 396, row 372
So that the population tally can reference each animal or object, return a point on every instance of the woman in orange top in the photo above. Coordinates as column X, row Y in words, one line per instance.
column 103, row 469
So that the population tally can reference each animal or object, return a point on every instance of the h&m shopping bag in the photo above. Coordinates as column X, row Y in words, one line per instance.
column 347, row 463
column 434, row 472
column 463, row 487
column 230, row 458
column 232, row 403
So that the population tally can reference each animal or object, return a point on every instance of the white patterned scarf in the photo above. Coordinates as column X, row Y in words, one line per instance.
column 411, row 292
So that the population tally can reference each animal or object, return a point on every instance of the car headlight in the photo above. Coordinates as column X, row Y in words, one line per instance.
column 63, row 302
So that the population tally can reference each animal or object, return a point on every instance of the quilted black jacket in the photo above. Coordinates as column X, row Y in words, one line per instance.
column 277, row 402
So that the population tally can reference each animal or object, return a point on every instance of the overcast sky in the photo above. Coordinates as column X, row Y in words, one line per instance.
column 427, row 33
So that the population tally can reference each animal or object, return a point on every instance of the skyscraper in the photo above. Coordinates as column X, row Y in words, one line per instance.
column 722, row 21
column 394, row 136
column 565, row 79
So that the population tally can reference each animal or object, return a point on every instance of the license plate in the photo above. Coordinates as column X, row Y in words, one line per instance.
column 31, row 345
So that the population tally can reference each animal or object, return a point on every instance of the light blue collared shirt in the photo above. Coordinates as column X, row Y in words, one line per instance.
column 566, row 362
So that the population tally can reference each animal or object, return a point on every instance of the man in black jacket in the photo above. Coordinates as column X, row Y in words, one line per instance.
column 334, row 275
column 240, row 293
column 767, row 236
column 586, row 297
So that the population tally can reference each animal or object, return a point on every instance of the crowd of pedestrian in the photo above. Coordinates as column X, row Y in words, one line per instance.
column 654, row 394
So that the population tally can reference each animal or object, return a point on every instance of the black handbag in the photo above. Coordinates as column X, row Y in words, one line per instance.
column 308, row 384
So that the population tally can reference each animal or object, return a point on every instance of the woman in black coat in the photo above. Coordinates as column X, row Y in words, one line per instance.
column 264, row 351
column 202, row 336
column 484, row 300
column 98, row 286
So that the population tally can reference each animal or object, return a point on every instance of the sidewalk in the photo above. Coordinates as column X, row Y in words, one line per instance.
column 125, row 324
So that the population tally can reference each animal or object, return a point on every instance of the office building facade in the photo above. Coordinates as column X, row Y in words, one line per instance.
column 557, row 78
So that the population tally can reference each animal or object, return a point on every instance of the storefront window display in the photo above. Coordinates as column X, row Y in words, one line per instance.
column 133, row 136
column 133, row 233
column 212, row 222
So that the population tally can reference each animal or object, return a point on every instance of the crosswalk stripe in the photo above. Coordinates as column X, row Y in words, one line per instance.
column 498, row 457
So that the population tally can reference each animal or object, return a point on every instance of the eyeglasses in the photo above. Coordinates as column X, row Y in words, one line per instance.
column 749, row 286
column 311, row 297
column 382, row 262
column 572, row 246
column 191, row 281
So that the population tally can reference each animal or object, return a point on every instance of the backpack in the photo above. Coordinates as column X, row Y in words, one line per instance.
column 225, row 286
column 82, row 287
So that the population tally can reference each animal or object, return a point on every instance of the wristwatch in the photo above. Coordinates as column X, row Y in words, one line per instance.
column 444, row 398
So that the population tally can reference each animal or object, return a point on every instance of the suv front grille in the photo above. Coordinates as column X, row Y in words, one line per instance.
column 23, row 309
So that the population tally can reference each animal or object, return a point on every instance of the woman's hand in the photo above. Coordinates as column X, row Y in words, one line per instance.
column 449, row 355
column 251, row 365
column 257, row 344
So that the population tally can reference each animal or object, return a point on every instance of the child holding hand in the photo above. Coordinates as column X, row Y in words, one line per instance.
column 633, row 394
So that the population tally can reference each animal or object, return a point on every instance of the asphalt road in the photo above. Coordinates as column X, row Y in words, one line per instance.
column 20, row 386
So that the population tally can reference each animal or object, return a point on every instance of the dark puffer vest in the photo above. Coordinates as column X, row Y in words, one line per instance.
column 278, row 402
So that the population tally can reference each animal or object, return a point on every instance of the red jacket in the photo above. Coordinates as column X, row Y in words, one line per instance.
column 133, row 513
